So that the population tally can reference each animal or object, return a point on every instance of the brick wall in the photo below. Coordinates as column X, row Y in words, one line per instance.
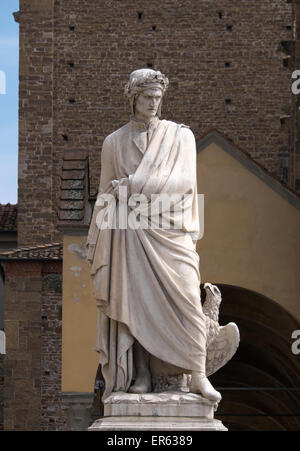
column 36, row 214
column 221, row 57
column 1, row 390
column 294, row 52
column 191, row 43
column 22, row 379
column 33, row 359
column 53, row 417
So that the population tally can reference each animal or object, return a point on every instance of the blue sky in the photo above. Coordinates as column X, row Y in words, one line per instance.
column 9, row 60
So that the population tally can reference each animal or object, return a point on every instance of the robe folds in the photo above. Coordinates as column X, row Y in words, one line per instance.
column 147, row 280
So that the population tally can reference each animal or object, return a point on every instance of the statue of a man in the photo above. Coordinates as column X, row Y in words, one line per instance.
column 146, row 280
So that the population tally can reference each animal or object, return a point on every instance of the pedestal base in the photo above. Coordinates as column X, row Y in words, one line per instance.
column 167, row 411
column 156, row 424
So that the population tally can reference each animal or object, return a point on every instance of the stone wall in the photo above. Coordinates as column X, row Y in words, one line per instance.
column 293, row 51
column 1, row 390
column 53, row 417
column 33, row 359
column 221, row 57
column 22, row 379
column 36, row 214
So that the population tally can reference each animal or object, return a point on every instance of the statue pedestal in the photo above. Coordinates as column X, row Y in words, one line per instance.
column 167, row 411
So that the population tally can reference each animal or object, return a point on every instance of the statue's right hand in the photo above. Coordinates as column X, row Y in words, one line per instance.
column 121, row 188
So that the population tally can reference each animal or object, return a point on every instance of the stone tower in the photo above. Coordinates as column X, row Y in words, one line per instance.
column 231, row 62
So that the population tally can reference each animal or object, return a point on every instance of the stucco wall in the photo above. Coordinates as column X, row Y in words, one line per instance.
column 79, row 359
column 251, row 236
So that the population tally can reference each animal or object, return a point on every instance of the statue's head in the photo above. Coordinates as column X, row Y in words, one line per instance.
column 145, row 90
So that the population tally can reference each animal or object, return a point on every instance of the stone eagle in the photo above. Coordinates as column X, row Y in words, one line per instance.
column 222, row 341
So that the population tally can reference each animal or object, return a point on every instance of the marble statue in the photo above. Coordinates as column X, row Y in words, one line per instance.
column 152, row 329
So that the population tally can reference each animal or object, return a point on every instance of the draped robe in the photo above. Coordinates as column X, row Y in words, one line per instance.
column 147, row 281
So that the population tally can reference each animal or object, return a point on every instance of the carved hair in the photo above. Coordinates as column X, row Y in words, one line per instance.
column 142, row 79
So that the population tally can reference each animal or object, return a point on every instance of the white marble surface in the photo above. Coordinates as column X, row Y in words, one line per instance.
column 169, row 404
column 157, row 424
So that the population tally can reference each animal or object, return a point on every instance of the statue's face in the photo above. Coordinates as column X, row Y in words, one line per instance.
column 147, row 103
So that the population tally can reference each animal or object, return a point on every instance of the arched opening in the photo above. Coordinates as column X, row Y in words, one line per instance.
column 261, row 384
